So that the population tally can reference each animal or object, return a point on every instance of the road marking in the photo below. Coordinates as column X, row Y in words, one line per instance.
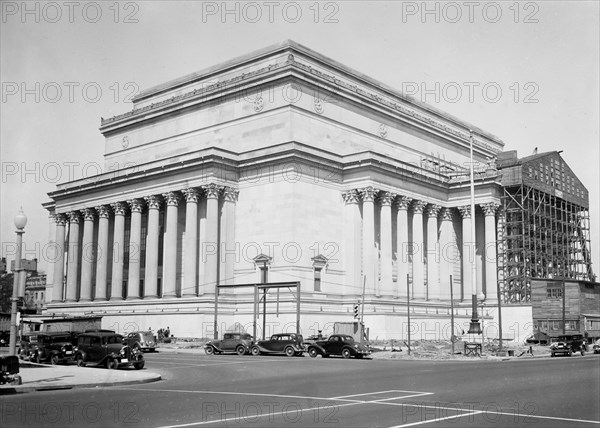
column 437, row 419
column 413, row 394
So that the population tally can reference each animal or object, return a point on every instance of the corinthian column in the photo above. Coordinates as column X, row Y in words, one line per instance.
column 135, row 249
column 468, row 258
column 191, row 242
column 402, row 244
column 210, row 250
column 73, row 257
column 352, row 236
column 59, row 261
column 386, row 199
column 102, row 253
column 116, row 287
column 170, row 263
column 448, row 255
column 433, row 255
column 227, row 248
column 417, row 251
column 491, row 274
column 87, row 258
column 151, row 277
column 369, row 261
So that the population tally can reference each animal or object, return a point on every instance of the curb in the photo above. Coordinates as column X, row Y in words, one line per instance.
column 33, row 388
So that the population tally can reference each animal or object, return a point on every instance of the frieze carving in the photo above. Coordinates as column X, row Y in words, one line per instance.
column 351, row 196
column 103, row 211
column 212, row 191
column 259, row 103
column 403, row 202
column 369, row 194
column 318, row 106
column 383, row 132
column 153, row 202
column 419, row 206
column 202, row 93
column 119, row 208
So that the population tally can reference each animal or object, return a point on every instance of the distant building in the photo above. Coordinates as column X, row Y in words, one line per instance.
column 35, row 290
column 572, row 304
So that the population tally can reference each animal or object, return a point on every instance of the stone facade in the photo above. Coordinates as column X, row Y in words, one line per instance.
column 341, row 181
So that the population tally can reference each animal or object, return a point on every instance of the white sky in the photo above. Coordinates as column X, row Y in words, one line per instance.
column 543, row 56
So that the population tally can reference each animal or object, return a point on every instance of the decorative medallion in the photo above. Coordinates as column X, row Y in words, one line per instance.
column 383, row 130
column 125, row 142
column 259, row 104
column 318, row 106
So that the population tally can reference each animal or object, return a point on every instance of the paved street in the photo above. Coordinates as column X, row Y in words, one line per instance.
column 279, row 391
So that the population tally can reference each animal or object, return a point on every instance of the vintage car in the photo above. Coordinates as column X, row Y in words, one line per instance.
column 338, row 344
column 568, row 344
column 142, row 340
column 4, row 337
column 596, row 347
column 538, row 338
column 289, row 344
column 108, row 349
column 240, row 343
column 52, row 347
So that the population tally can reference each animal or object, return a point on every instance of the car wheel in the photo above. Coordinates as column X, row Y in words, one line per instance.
column 209, row 350
column 289, row 351
column 359, row 356
column 54, row 360
column 240, row 350
column 570, row 354
column 139, row 365
column 313, row 352
column 582, row 352
column 38, row 358
column 112, row 364
column 80, row 362
column 346, row 353
column 255, row 351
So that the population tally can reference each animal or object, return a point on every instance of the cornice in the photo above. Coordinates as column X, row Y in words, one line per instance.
column 339, row 77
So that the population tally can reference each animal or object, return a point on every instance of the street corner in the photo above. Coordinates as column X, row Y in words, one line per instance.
column 38, row 377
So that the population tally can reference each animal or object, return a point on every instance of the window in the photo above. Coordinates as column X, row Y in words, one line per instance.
column 554, row 293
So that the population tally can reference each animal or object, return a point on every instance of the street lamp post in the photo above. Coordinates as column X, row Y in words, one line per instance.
column 474, row 327
column 482, row 299
column 20, row 223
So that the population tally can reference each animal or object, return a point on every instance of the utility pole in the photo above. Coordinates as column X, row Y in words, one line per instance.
column 408, row 310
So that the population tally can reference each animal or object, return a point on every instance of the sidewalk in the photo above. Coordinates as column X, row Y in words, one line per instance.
column 40, row 377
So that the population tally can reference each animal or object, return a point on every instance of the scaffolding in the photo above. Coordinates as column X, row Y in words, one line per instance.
column 542, row 233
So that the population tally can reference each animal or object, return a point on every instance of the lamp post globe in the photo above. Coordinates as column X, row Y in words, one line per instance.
column 20, row 223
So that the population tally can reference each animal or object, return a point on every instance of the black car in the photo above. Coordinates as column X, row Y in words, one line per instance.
column 289, row 344
column 4, row 337
column 338, row 344
column 53, row 347
column 568, row 344
column 143, row 340
column 240, row 343
column 107, row 349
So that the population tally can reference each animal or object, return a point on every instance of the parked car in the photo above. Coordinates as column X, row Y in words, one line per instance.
column 142, row 340
column 53, row 347
column 240, row 343
column 568, row 344
column 596, row 347
column 108, row 349
column 539, row 337
column 289, row 344
column 338, row 344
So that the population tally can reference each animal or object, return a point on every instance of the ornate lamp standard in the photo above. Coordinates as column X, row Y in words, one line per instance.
column 20, row 223
column 474, row 327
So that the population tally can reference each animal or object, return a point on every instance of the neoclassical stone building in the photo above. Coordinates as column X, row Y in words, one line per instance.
column 288, row 161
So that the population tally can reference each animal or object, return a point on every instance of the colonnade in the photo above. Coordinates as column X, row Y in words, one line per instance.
column 98, row 243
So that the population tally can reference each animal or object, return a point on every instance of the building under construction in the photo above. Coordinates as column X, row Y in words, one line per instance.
column 545, row 227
